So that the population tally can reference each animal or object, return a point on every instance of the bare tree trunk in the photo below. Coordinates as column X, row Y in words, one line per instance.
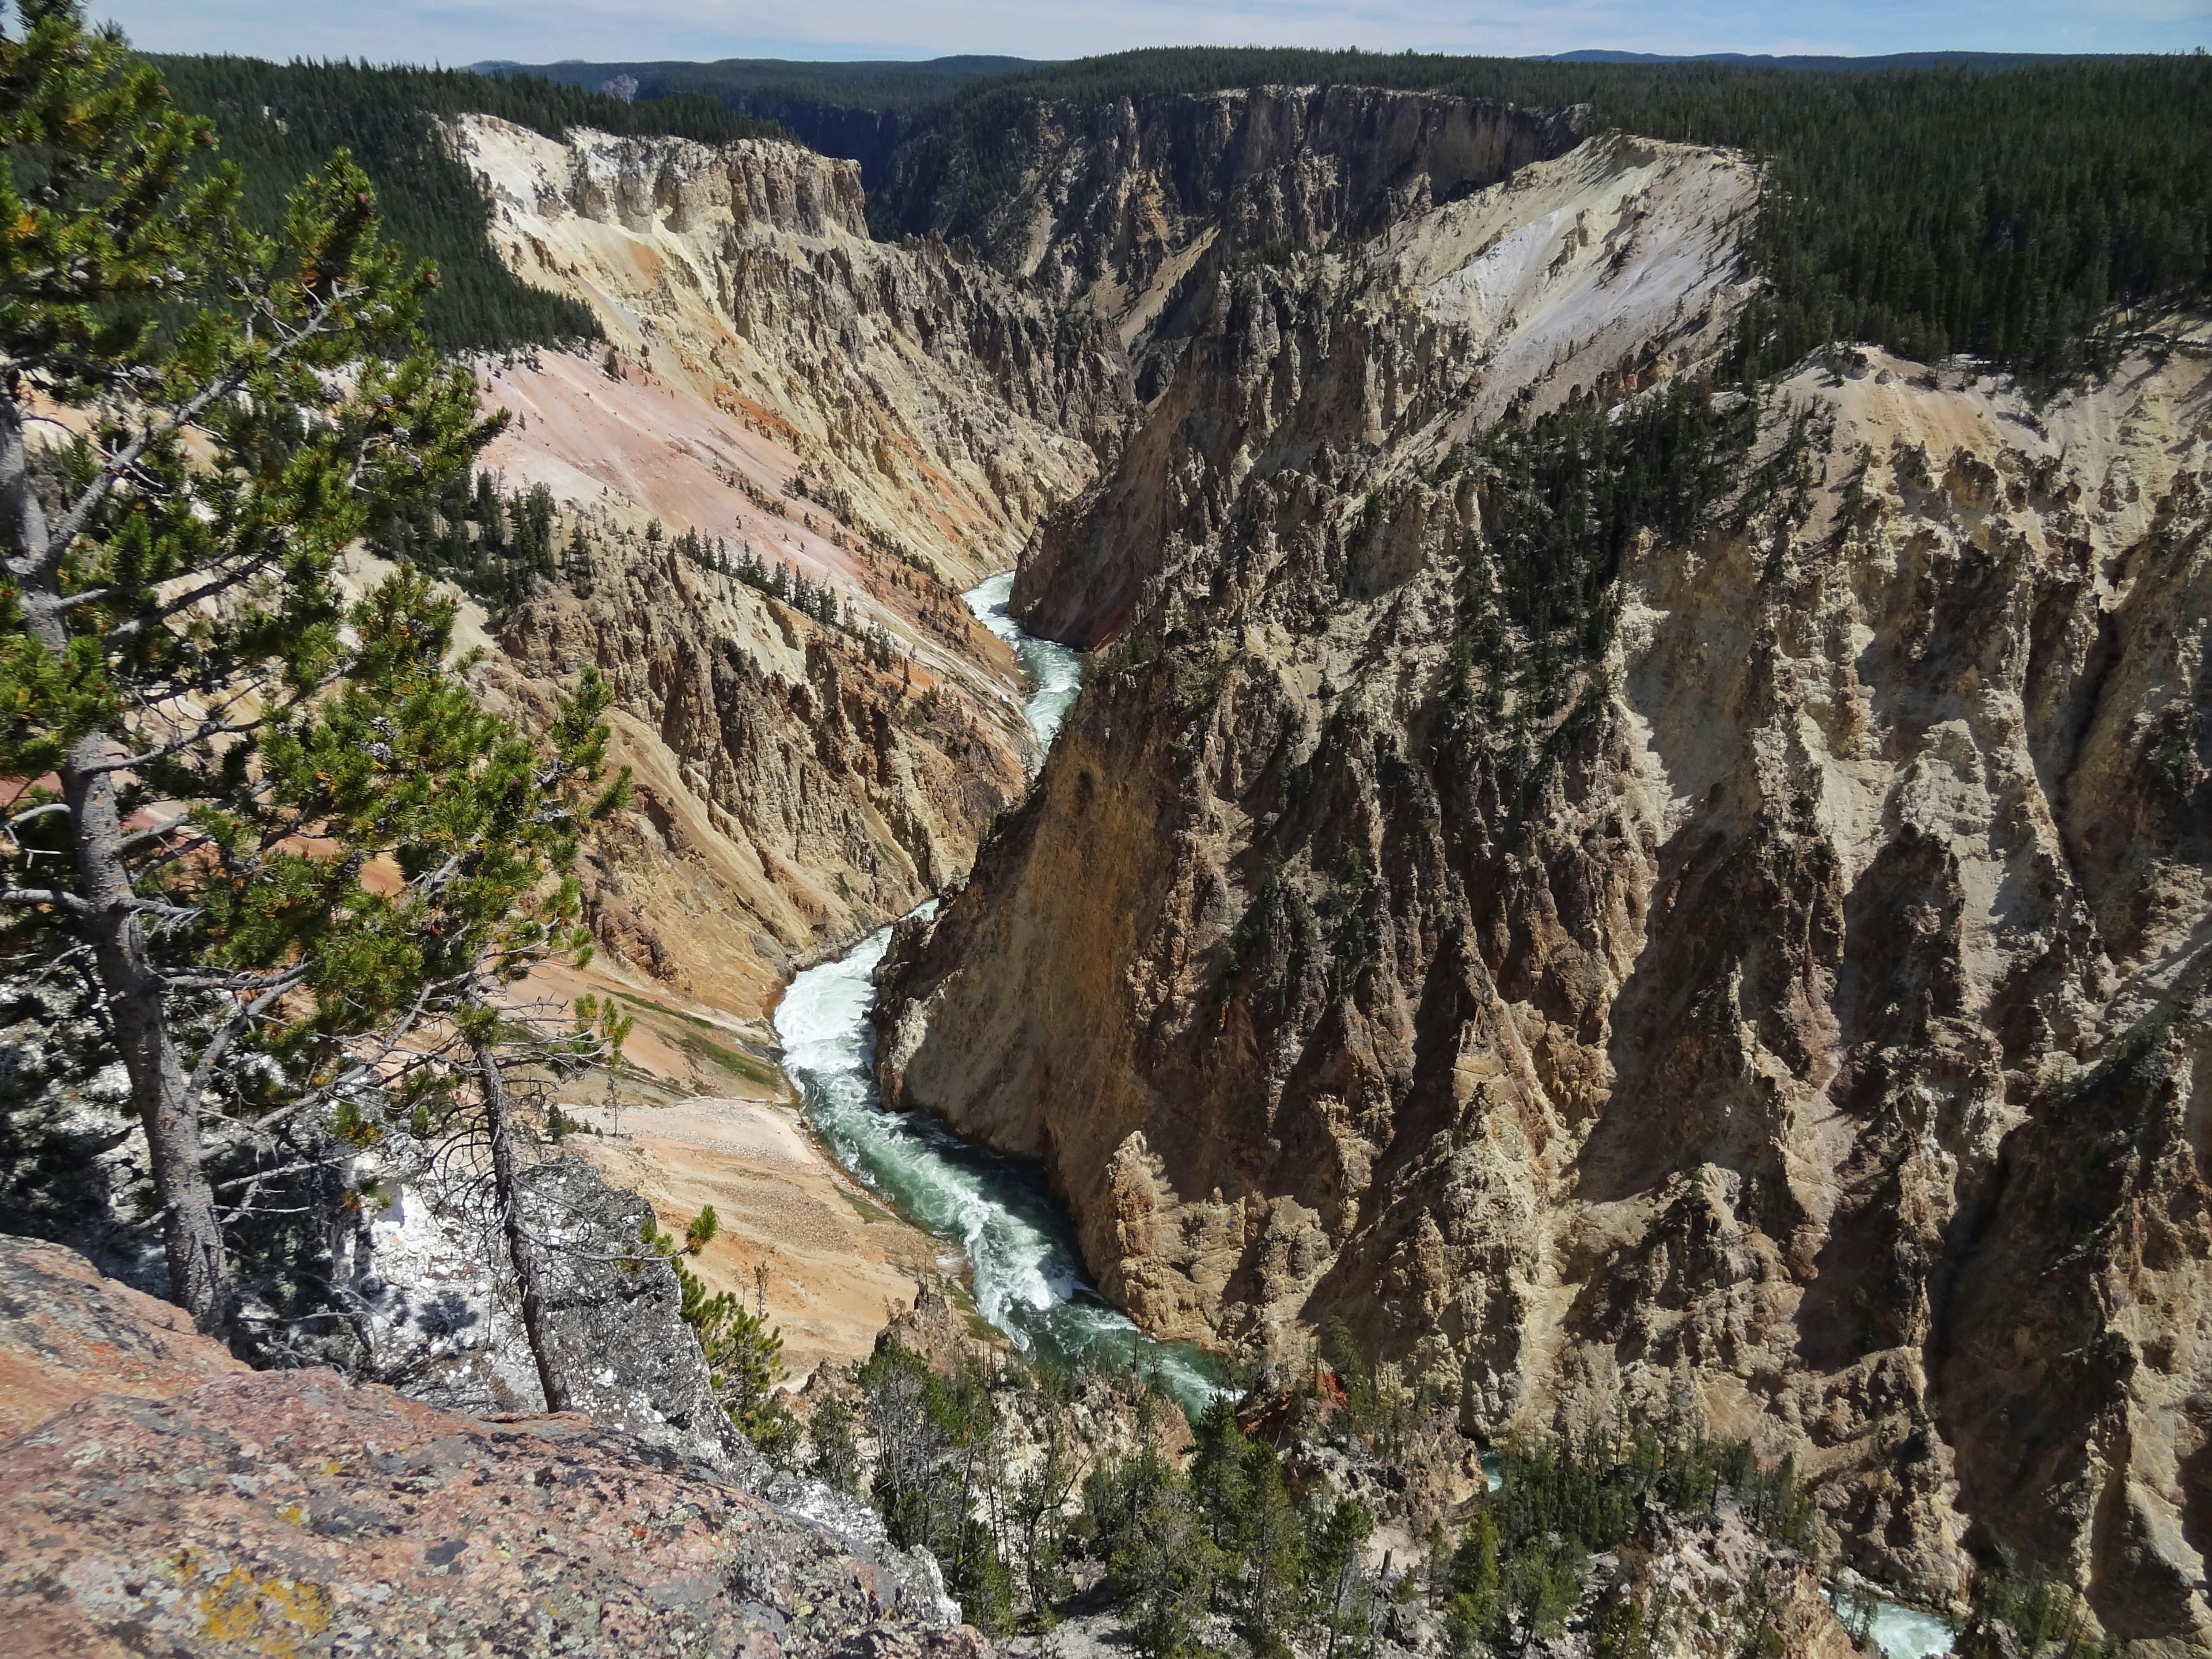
column 199, row 1270
column 508, row 1191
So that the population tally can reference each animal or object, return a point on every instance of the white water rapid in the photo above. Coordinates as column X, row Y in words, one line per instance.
column 1903, row 1632
column 1025, row 1272
column 1055, row 672
column 1898, row 1631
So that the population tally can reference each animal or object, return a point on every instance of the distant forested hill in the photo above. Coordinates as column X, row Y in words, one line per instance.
column 860, row 111
column 1981, row 60
column 1996, row 205
column 752, row 82
column 1999, row 207
column 280, row 121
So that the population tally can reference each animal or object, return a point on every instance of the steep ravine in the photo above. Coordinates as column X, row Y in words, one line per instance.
column 886, row 423
column 1763, row 978
column 1022, row 1260
column 1793, row 1005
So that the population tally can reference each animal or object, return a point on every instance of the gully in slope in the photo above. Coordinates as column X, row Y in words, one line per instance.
column 1027, row 1277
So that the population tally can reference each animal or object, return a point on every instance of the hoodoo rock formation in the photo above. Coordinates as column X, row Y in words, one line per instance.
column 1700, row 901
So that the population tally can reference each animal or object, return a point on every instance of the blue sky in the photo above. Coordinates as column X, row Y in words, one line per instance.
column 536, row 31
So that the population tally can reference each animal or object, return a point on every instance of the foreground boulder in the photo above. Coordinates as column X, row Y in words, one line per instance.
column 67, row 1333
column 284, row 1512
column 439, row 1313
column 157, row 1497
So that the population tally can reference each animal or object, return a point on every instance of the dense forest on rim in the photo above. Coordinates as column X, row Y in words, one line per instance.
column 756, row 84
column 1999, row 208
column 278, row 122
column 2015, row 214
column 862, row 111
column 1931, row 210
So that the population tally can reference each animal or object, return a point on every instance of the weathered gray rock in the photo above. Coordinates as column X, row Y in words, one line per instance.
column 443, row 1322
column 431, row 1275
column 291, row 1513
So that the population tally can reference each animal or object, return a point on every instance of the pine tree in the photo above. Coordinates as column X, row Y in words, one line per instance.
column 743, row 1351
column 1272, row 1541
column 701, row 1233
column 576, row 562
column 1471, row 1611
column 837, row 1459
column 1341, row 1593
column 1169, row 1568
column 233, row 750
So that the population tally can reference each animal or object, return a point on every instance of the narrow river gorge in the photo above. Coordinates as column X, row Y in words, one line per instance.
column 1025, row 1273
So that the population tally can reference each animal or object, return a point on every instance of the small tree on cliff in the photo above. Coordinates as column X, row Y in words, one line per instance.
column 745, row 1352
column 264, row 823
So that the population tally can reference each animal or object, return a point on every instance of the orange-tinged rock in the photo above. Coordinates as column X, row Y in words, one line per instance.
column 68, row 1333
column 281, row 1513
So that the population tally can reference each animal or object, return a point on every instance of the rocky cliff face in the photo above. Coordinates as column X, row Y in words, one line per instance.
column 1112, row 205
column 943, row 409
column 794, row 787
column 1759, row 961
column 1610, row 267
column 887, row 422
column 431, row 1286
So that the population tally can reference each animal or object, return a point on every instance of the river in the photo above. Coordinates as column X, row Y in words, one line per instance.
column 1903, row 1632
column 1055, row 672
column 1024, row 1270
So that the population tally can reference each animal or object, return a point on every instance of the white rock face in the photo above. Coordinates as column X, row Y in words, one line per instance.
column 1573, row 264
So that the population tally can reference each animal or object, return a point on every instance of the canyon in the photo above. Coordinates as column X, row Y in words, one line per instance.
column 888, row 421
column 1738, row 1020
column 1782, row 996
column 1605, row 888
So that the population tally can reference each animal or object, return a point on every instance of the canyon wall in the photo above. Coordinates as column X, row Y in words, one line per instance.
column 1758, row 967
column 886, row 422
column 942, row 408
column 1108, row 207
column 893, row 421
column 1610, row 267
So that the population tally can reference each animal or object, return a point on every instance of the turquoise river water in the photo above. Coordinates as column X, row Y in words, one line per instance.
column 1024, row 1271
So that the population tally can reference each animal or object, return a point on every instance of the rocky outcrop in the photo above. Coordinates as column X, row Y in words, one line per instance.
column 428, row 1279
column 154, row 1493
column 1764, row 969
column 288, row 1512
column 67, row 1334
